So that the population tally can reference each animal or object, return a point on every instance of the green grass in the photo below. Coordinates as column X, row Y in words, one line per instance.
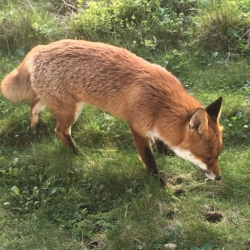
column 104, row 199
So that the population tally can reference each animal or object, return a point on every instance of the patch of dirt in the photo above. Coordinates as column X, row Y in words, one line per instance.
column 179, row 180
column 179, row 192
column 213, row 216
column 170, row 214
column 94, row 244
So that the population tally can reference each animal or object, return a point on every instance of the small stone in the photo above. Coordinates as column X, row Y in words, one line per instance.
column 170, row 246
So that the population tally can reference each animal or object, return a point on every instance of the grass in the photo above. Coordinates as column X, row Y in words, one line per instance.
column 223, row 26
column 104, row 199
column 24, row 24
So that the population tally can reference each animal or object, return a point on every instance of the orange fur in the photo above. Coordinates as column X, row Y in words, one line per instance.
column 64, row 74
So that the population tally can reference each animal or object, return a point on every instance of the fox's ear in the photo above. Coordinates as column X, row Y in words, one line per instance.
column 198, row 121
column 214, row 109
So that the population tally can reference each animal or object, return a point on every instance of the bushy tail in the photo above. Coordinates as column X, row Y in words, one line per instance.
column 16, row 86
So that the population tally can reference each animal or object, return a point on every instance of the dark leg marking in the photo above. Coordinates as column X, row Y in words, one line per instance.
column 151, row 164
column 72, row 144
column 150, row 161
column 162, row 148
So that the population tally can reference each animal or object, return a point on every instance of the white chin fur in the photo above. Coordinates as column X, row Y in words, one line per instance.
column 187, row 155
column 210, row 175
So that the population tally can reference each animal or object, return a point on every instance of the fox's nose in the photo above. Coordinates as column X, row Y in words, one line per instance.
column 217, row 178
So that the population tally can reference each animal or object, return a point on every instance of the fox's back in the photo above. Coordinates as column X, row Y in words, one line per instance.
column 95, row 68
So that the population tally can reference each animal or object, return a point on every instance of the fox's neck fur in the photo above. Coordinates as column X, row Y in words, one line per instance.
column 176, row 109
column 171, row 106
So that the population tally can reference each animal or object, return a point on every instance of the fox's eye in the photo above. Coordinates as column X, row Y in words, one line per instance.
column 209, row 158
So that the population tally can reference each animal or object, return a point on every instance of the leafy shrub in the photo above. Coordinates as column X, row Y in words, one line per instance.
column 142, row 23
column 184, row 7
column 223, row 26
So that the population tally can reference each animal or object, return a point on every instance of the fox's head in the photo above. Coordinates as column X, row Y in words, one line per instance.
column 203, row 141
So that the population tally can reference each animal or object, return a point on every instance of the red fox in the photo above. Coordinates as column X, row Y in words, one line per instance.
column 66, row 74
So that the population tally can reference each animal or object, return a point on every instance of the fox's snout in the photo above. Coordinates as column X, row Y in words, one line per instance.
column 211, row 176
column 218, row 178
column 211, row 172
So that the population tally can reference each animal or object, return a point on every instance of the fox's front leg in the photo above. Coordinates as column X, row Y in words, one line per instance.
column 145, row 152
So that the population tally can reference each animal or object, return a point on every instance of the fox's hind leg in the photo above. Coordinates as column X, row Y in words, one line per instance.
column 36, row 107
column 66, row 114
column 144, row 149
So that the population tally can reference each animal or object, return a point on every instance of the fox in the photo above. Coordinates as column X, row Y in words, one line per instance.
column 67, row 74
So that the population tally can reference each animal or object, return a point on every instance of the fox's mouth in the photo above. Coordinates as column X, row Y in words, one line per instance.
column 209, row 174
